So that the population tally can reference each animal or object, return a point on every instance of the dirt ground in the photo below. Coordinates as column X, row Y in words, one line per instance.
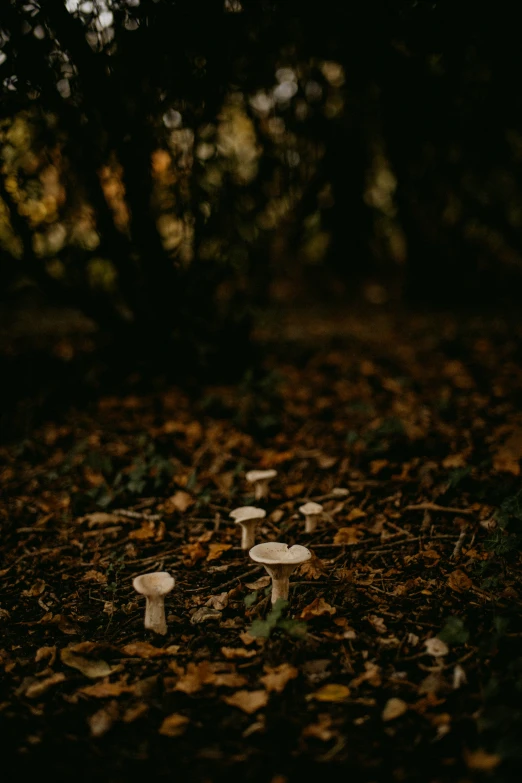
column 399, row 655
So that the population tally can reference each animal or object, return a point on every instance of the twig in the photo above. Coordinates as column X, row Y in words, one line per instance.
column 459, row 544
column 435, row 507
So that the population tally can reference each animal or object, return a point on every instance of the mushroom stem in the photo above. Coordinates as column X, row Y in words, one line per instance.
column 248, row 534
column 310, row 523
column 280, row 583
column 155, row 614
column 260, row 489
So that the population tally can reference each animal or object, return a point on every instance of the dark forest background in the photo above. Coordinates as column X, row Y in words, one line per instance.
column 168, row 168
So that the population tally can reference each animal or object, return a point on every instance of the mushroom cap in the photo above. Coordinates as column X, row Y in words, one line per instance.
column 245, row 513
column 156, row 583
column 311, row 508
column 259, row 475
column 276, row 553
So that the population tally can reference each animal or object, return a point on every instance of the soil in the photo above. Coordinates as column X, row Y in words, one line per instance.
column 399, row 654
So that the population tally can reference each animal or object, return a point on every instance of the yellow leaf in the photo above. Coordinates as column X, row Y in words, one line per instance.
column 393, row 709
column 459, row 581
column 331, row 693
column 481, row 760
column 347, row 535
column 216, row 550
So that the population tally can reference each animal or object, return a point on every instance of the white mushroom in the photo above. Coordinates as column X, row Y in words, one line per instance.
column 154, row 587
column 260, row 479
column 311, row 512
column 247, row 517
column 280, row 561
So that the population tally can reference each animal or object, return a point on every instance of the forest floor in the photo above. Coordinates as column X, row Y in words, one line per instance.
column 399, row 656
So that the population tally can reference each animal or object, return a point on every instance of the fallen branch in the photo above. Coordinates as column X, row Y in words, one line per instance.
column 435, row 507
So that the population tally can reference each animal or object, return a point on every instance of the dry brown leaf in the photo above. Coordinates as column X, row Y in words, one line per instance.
column 312, row 569
column 90, row 667
column 46, row 652
column 247, row 701
column 100, row 518
column 147, row 530
column 376, row 465
column 481, row 760
column 320, row 730
column 233, row 653
column 174, row 725
column 276, row 678
column 216, row 550
column 293, row 490
column 147, row 650
column 218, row 602
column 455, row 461
column 331, row 693
column 95, row 576
column 228, row 680
column 459, row 581
column 393, row 709
column 355, row 513
column 371, row 675
column 506, row 457
column 192, row 553
column 318, row 608
column 347, row 536
column 195, row 677
column 180, row 501
column 35, row 590
column 134, row 712
column 37, row 689
column 106, row 689
column 259, row 584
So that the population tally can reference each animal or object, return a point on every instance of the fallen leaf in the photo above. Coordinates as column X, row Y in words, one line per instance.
column 147, row 650
column 259, row 584
column 318, row 608
column 371, row 675
column 320, row 730
column 247, row 701
column 216, row 550
column 393, row 709
column 377, row 623
column 95, row 576
column 195, row 677
column 232, row 653
column 204, row 614
column 100, row 518
column 180, row 501
column 36, row 589
column 103, row 720
column 355, row 513
column 376, row 465
column 347, row 536
column 312, row 569
column 44, row 653
column 481, row 760
column 192, row 553
column 37, row 689
column 276, row 678
column 459, row 581
column 331, row 693
column 147, row 530
column 293, row 490
column 218, row 602
column 436, row 647
column 106, row 690
column 174, row 725
column 228, row 680
column 90, row 667
column 134, row 712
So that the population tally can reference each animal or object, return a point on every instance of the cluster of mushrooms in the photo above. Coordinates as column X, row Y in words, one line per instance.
column 278, row 559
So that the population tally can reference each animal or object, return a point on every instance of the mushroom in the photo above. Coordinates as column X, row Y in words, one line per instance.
column 311, row 512
column 247, row 517
column 260, row 479
column 154, row 587
column 279, row 561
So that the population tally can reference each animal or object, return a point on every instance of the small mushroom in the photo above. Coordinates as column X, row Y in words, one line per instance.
column 280, row 562
column 154, row 587
column 311, row 512
column 247, row 517
column 260, row 479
